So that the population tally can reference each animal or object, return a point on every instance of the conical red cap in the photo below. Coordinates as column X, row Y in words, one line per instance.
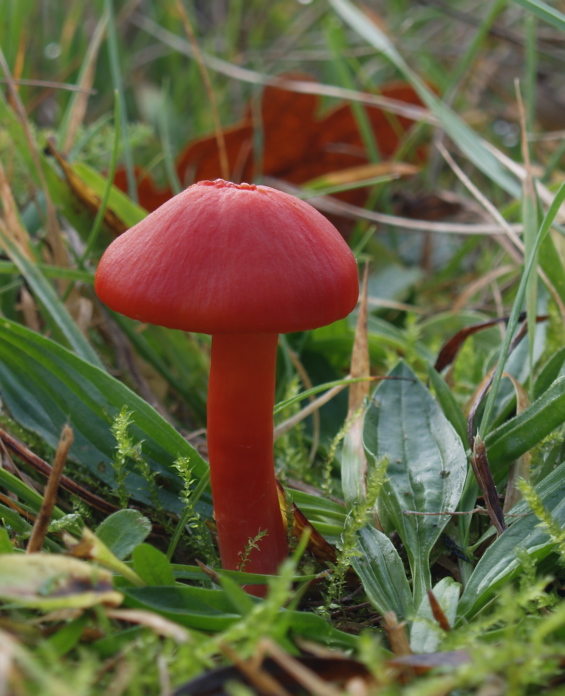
column 231, row 258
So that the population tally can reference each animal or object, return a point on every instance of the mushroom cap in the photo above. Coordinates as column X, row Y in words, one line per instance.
column 230, row 258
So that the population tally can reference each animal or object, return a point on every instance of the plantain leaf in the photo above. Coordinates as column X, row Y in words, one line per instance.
column 211, row 610
column 45, row 386
column 152, row 565
column 501, row 561
column 426, row 634
column 123, row 531
column 382, row 572
column 426, row 471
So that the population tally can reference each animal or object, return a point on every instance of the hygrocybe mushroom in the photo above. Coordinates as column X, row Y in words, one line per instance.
column 242, row 263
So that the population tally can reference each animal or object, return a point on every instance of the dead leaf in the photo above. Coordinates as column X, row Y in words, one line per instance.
column 354, row 460
column 483, row 474
column 438, row 613
column 330, row 673
column 158, row 624
column 317, row 545
column 396, row 633
column 451, row 348
column 520, row 469
column 298, row 145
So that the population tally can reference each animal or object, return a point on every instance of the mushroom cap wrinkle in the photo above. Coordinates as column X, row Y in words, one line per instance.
column 231, row 258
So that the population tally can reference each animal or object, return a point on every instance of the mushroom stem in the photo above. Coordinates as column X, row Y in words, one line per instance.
column 241, row 395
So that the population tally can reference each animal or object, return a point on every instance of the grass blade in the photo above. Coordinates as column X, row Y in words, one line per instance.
column 516, row 309
column 45, row 294
column 467, row 140
column 551, row 15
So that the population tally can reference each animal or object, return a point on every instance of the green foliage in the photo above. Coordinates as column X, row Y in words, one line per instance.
column 554, row 529
column 249, row 547
column 357, row 518
column 123, row 531
column 191, row 520
column 125, row 450
column 409, row 525
column 427, row 467
column 291, row 455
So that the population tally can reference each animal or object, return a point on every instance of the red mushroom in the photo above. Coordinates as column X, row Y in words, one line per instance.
column 243, row 263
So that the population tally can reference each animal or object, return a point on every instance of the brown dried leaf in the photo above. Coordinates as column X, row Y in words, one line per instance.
column 317, row 545
column 325, row 674
column 438, row 613
column 396, row 633
column 298, row 145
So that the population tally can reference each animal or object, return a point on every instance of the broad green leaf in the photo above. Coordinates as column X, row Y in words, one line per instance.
column 66, row 638
column 425, row 633
column 467, row 140
column 123, row 531
column 212, row 611
column 240, row 600
column 500, row 563
column 5, row 543
column 152, row 565
column 426, row 470
column 325, row 514
column 382, row 573
column 44, row 386
column 523, row 432
column 51, row 581
column 314, row 627
column 193, row 607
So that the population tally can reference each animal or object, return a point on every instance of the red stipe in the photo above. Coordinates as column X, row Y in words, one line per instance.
column 241, row 397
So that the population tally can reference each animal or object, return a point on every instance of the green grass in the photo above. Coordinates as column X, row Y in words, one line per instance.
column 145, row 607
